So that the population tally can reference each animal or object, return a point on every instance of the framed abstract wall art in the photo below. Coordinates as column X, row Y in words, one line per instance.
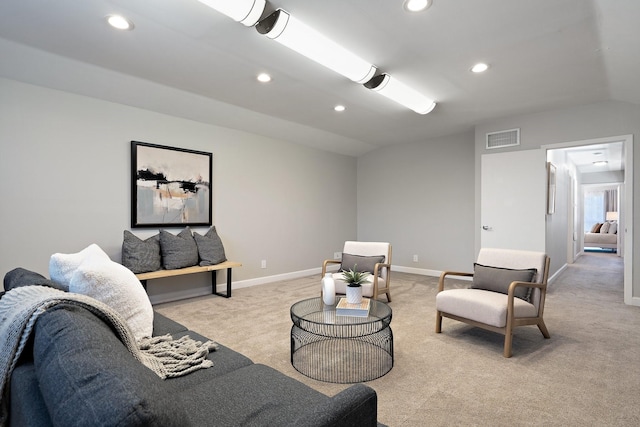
column 170, row 187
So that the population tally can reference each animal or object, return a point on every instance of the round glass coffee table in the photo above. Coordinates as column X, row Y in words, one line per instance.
column 341, row 349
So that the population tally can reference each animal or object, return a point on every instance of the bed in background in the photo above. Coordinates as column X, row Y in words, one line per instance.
column 602, row 235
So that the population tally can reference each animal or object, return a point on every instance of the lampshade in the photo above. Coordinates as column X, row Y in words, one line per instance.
column 247, row 12
column 289, row 31
column 612, row 216
column 397, row 91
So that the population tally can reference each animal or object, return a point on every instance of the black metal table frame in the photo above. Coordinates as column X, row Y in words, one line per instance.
column 341, row 349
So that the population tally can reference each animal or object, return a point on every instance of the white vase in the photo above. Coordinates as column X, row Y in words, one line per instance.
column 328, row 290
column 354, row 294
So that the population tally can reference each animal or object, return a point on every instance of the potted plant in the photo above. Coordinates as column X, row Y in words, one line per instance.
column 354, row 280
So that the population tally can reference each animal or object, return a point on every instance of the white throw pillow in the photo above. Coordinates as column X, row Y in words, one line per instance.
column 613, row 228
column 605, row 228
column 119, row 288
column 62, row 266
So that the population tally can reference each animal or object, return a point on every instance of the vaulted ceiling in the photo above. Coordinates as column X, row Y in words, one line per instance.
column 543, row 55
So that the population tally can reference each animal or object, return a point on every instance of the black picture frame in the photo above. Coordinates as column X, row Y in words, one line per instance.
column 170, row 186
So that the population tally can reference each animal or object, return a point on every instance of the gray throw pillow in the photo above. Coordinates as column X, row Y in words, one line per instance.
column 22, row 277
column 141, row 256
column 360, row 263
column 178, row 251
column 210, row 248
column 498, row 279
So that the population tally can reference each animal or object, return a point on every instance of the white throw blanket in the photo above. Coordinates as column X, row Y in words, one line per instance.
column 21, row 307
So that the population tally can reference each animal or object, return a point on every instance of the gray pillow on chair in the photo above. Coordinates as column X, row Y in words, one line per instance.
column 498, row 279
column 360, row 263
column 178, row 251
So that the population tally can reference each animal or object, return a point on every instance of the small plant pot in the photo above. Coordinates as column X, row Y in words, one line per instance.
column 354, row 294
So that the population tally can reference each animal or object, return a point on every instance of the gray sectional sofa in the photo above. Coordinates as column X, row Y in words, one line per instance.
column 76, row 372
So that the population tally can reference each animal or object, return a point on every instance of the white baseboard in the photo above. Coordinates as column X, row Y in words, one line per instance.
column 424, row 272
column 635, row 301
column 555, row 275
column 270, row 279
column 222, row 287
column 413, row 270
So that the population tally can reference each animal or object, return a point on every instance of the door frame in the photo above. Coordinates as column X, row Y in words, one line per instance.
column 627, row 188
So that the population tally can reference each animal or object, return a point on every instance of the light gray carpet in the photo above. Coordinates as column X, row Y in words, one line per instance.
column 587, row 374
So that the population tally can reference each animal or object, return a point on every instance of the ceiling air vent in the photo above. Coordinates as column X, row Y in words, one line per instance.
column 503, row 138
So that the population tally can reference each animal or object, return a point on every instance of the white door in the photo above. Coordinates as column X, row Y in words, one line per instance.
column 513, row 200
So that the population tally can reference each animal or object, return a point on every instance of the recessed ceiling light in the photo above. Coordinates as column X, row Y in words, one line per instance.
column 480, row 67
column 339, row 108
column 119, row 22
column 600, row 163
column 416, row 5
column 264, row 78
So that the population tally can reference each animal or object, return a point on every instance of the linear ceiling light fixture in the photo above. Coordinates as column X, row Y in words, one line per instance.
column 299, row 37
column 289, row 31
column 397, row 91
column 247, row 12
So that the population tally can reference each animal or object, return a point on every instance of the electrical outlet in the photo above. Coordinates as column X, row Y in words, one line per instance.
column 264, row 263
column 337, row 255
column 415, row 258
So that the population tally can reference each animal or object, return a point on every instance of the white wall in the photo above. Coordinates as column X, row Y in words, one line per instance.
column 64, row 177
column 592, row 121
column 602, row 177
column 557, row 224
column 65, row 183
column 420, row 198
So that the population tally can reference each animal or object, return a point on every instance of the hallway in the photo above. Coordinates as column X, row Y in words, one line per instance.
column 594, row 276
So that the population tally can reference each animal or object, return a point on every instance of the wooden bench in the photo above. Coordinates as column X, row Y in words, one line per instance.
column 143, row 277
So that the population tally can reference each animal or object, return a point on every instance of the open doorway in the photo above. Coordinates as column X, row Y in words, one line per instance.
column 600, row 213
column 579, row 160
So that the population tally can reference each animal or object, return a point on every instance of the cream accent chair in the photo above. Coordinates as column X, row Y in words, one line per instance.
column 495, row 311
column 377, row 283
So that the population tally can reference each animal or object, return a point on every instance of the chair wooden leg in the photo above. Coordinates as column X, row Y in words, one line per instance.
column 438, row 322
column 508, row 338
column 388, row 295
column 543, row 329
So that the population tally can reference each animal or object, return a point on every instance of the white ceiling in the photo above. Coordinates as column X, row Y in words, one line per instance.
column 585, row 157
column 544, row 55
